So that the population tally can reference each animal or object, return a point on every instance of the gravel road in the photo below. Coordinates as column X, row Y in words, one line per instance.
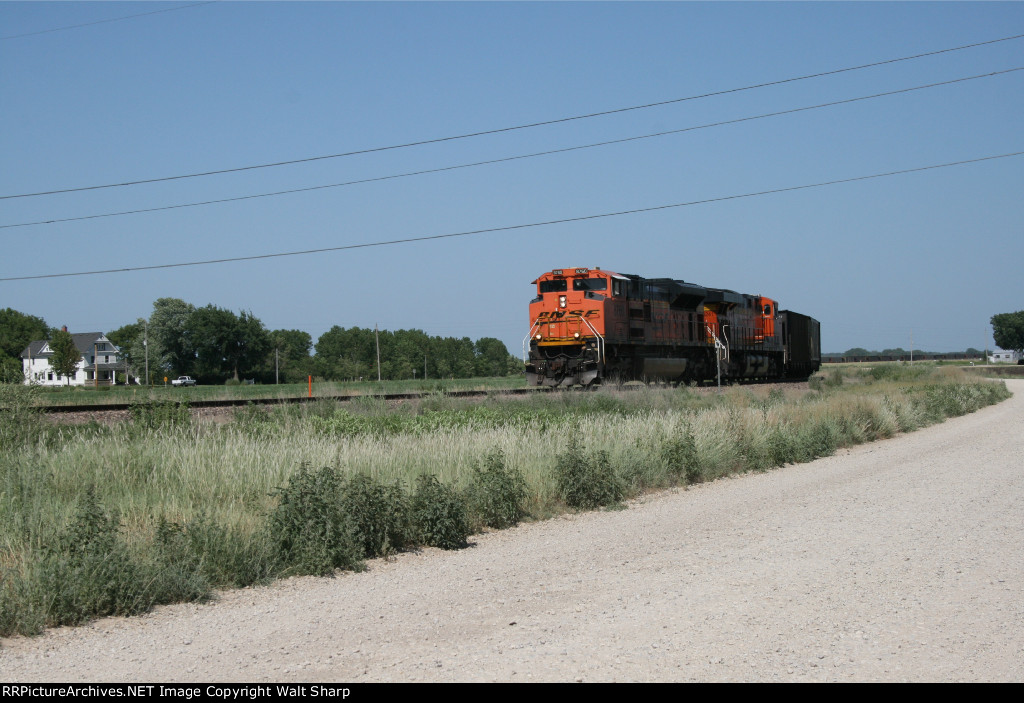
column 898, row 560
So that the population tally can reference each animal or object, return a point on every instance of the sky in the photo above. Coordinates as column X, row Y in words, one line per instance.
column 91, row 95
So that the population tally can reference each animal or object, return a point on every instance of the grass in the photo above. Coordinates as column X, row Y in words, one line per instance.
column 112, row 519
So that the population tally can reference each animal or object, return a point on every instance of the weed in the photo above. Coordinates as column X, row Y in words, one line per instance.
column 680, row 459
column 497, row 493
column 439, row 515
column 380, row 514
column 587, row 481
column 312, row 532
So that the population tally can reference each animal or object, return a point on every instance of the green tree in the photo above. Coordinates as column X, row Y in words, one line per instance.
column 249, row 345
column 491, row 357
column 65, row 354
column 16, row 331
column 128, row 338
column 1008, row 330
column 224, row 343
column 170, row 343
column 124, row 335
column 346, row 354
column 289, row 354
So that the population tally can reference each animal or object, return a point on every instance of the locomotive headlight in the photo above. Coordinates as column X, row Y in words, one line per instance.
column 576, row 335
column 538, row 336
column 561, row 301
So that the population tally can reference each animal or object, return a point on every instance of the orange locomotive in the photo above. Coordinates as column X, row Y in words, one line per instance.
column 589, row 326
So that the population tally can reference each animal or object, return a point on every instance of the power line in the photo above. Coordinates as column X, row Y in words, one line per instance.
column 509, row 129
column 113, row 19
column 511, row 158
column 509, row 228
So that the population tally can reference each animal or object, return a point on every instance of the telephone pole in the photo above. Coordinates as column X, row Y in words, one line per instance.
column 376, row 336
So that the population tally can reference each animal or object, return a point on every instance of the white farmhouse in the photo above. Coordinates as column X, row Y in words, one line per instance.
column 999, row 356
column 98, row 364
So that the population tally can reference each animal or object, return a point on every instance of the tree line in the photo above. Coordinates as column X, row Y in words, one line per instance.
column 216, row 345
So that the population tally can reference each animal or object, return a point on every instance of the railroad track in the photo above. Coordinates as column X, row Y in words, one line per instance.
column 241, row 402
column 234, row 403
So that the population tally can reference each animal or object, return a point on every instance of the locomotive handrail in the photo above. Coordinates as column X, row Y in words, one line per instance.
column 600, row 340
column 527, row 337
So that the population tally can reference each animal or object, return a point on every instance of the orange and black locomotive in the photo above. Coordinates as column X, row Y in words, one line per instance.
column 590, row 326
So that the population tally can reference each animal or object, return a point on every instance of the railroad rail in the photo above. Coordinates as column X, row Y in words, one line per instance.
column 242, row 402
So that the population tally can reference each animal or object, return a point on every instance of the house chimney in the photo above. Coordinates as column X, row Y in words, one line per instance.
column 63, row 328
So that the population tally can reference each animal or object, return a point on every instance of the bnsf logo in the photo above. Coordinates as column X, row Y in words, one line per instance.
column 559, row 314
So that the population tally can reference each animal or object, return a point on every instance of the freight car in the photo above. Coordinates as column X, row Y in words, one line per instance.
column 589, row 326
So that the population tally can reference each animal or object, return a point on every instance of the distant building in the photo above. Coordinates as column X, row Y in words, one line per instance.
column 999, row 356
column 98, row 364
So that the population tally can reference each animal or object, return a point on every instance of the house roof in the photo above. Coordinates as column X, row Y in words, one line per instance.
column 83, row 343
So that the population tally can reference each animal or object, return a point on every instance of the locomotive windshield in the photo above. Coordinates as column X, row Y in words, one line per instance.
column 554, row 286
column 590, row 284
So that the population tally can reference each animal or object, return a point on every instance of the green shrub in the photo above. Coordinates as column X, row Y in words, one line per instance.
column 587, row 481
column 439, row 515
column 87, row 571
column 680, row 458
column 497, row 493
column 312, row 532
column 380, row 514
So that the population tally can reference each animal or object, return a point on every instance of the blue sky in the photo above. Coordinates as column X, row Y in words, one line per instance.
column 929, row 255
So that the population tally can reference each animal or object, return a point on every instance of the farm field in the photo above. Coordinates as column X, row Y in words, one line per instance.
column 114, row 519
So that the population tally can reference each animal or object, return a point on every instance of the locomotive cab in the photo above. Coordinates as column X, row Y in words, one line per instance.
column 566, row 338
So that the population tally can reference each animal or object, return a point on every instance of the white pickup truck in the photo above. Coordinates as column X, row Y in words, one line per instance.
column 183, row 381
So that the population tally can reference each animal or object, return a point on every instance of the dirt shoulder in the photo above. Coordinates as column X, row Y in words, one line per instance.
column 898, row 560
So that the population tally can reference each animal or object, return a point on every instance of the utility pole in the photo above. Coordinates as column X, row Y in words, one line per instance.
column 277, row 378
column 145, row 345
column 911, row 347
column 376, row 336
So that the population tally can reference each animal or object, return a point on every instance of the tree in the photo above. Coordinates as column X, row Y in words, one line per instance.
column 1008, row 330
column 346, row 354
column 249, row 344
column 65, row 354
column 18, row 329
column 129, row 341
column 289, row 355
column 491, row 357
column 224, row 343
column 169, row 335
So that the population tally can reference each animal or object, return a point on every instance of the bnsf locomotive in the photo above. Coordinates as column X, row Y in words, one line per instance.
column 590, row 325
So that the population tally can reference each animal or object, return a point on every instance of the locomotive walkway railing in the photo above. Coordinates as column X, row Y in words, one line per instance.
column 600, row 340
column 526, row 339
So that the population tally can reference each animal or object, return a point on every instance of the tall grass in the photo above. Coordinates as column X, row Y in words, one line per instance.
column 99, row 519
